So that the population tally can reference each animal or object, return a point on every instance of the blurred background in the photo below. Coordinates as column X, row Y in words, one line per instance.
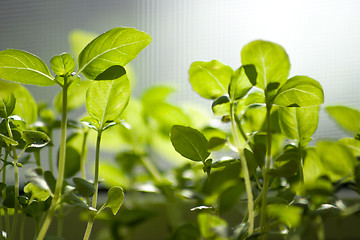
column 321, row 37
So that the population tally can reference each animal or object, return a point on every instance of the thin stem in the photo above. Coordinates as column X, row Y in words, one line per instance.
column 96, row 186
column 301, row 172
column 83, row 154
column 266, row 177
column 320, row 228
column 23, row 217
column 152, row 169
column 60, row 223
column 51, row 164
column 37, row 158
column 7, row 220
column 250, row 201
column 61, row 167
column 17, row 183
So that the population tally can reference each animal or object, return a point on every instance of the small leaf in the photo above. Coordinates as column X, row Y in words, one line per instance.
column 70, row 197
column 255, row 98
column 210, row 79
column 242, row 81
column 221, row 106
column 8, row 141
column 36, row 192
column 212, row 227
column 118, row 46
column 189, row 142
column 289, row 215
column 36, row 176
column 298, row 123
column 7, row 104
column 63, row 64
column 23, row 67
column 83, row 187
column 106, row 100
column 270, row 60
column 35, row 139
column 115, row 199
column 113, row 72
column 91, row 123
column 346, row 117
column 300, row 91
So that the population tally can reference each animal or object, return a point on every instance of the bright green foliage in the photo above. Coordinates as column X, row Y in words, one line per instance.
column 8, row 141
column 106, row 100
column 116, row 47
column 313, row 167
column 242, row 81
column 76, row 96
column 23, row 67
column 63, row 64
column 331, row 155
column 346, row 117
column 7, row 105
column 36, row 192
column 35, row 139
column 79, row 39
column 271, row 62
column 221, row 106
column 212, row 227
column 289, row 215
column 115, row 199
column 36, row 176
column 300, row 91
column 298, row 123
column 352, row 144
column 210, row 79
column 189, row 142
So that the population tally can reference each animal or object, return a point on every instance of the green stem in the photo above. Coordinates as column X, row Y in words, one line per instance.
column 51, row 164
column 320, row 228
column 83, row 154
column 152, row 169
column 23, row 217
column 7, row 220
column 61, row 166
column 263, row 217
column 60, row 223
column 301, row 172
column 250, row 200
column 17, row 183
column 96, row 185
column 37, row 158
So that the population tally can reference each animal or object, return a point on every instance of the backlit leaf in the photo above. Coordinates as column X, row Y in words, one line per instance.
column 115, row 199
column 23, row 67
column 346, row 117
column 118, row 46
column 106, row 100
column 242, row 81
column 210, row 79
column 7, row 104
column 352, row 144
column 300, row 91
column 189, row 142
column 36, row 192
column 271, row 62
column 35, row 138
column 63, row 64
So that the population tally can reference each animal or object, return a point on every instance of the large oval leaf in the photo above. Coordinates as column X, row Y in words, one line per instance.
column 300, row 91
column 346, row 117
column 23, row 67
column 298, row 123
column 106, row 100
column 242, row 81
column 271, row 62
column 210, row 79
column 116, row 47
column 189, row 142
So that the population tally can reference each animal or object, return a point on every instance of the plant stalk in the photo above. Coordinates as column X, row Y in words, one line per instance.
column 96, row 186
column 250, row 201
column 61, row 166
column 7, row 220
column 263, row 217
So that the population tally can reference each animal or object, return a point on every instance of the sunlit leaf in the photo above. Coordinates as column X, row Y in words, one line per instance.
column 242, row 81
column 289, row 215
column 298, row 123
column 346, row 117
column 221, row 106
column 35, row 139
column 23, row 67
column 63, row 64
column 36, row 176
column 189, row 142
column 352, row 144
column 7, row 104
column 36, row 192
column 313, row 167
column 79, row 39
column 8, row 141
column 118, row 46
column 106, row 100
column 212, row 227
column 210, row 79
column 115, row 199
column 300, row 91
column 271, row 62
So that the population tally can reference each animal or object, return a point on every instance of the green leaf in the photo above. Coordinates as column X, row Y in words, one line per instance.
column 189, row 142
column 83, row 187
column 36, row 176
column 35, row 139
column 113, row 72
column 115, row 199
column 116, row 47
column 300, row 91
column 346, row 117
column 8, row 141
column 337, row 159
column 298, row 123
column 221, row 106
column 36, row 192
column 26, row 106
column 212, row 227
column 91, row 123
column 79, row 39
column 289, row 215
column 23, row 67
column 156, row 94
column 255, row 98
column 210, row 79
column 106, row 100
column 352, row 144
column 242, row 81
column 7, row 104
column 63, row 64
column 313, row 167
column 271, row 62
column 287, row 164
